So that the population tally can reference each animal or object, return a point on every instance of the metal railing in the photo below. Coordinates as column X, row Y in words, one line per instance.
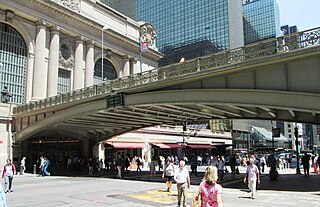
column 253, row 51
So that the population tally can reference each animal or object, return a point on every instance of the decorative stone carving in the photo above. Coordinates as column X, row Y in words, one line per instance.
column 71, row 4
column 66, row 56
column 148, row 34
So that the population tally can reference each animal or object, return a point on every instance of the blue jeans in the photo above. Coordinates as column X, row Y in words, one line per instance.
column 8, row 182
column 45, row 172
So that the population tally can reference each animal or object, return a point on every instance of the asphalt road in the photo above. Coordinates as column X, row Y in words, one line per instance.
column 32, row 191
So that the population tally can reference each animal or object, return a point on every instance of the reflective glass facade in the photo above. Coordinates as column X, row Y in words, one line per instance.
column 261, row 20
column 188, row 28
column 126, row 7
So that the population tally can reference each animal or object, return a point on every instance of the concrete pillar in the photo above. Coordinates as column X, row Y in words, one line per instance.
column 53, row 62
column 89, row 64
column 78, row 77
column 99, row 151
column 40, row 72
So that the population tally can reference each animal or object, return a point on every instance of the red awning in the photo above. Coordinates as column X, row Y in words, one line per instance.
column 201, row 146
column 127, row 145
column 166, row 146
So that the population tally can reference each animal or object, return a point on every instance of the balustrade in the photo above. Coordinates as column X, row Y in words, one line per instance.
column 250, row 52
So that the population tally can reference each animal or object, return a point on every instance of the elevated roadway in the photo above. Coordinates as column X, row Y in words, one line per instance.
column 276, row 79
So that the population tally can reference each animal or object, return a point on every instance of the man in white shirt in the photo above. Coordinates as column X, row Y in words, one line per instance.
column 252, row 175
column 263, row 163
column 182, row 179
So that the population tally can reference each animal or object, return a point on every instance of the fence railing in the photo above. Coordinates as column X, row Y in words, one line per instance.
column 253, row 51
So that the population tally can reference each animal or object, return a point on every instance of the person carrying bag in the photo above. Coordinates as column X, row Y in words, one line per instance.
column 209, row 193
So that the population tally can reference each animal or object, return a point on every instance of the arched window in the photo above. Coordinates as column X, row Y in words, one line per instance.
column 108, row 72
column 13, row 63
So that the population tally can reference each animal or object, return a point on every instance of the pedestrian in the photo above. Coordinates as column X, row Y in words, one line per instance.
column 45, row 166
column 41, row 166
column 153, row 164
column 9, row 170
column 168, row 173
column 127, row 163
column 194, row 164
column 209, row 191
column 119, row 164
column 90, row 166
column 221, row 167
column 306, row 163
column 182, row 178
column 23, row 164
column 100, row 168
column 232, row 163
column 139, row 163
column 252, row 176
column 3, row 201
column 263, row 163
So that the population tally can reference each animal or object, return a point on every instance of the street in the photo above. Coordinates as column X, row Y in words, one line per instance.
column 32, row 191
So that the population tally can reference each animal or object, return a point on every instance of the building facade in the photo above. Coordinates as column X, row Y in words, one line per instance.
column 126, row 7
column 189, row 29
column 57, row 46
column 286, row 29
column 261, row 20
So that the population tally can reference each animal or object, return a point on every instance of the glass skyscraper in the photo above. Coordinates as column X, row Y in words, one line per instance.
column 261, row 20
column 189, row 29
column 126, row 7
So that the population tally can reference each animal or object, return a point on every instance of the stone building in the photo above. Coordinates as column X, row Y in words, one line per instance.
column 49, row 47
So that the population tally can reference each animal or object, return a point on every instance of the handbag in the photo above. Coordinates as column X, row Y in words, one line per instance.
column 195, row 202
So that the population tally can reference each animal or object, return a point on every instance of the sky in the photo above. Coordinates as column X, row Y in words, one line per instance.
column 303, row 13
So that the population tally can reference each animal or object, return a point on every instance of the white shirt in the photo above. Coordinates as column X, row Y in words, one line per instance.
column 9, row 170
column 252, row 172
column 181, row 176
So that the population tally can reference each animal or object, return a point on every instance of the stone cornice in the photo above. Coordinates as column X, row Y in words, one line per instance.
column 83, row 22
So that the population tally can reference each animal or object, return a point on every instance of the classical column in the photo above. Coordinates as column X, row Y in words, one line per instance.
column 53, row 62
column 89, row 64
column 126, row 68
column 39, row 82
column 78, row 76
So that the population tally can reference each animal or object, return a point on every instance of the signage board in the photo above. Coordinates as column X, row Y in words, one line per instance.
column 276, row 132
column 144, row 46
column 115, row 101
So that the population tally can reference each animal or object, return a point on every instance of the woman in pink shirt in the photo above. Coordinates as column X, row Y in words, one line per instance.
column 209, row 190
column 9, row 171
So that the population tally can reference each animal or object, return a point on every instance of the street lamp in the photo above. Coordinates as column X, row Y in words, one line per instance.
column 102, row 44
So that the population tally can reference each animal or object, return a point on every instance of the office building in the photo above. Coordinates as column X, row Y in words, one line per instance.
column 43, row 54
column 286, row 29
column 126, row 7
column 188, row 29
column 261, row 20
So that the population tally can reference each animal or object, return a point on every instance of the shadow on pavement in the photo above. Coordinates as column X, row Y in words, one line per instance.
column 285, row 182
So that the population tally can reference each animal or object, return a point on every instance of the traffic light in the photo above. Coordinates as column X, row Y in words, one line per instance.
column 296, row 134
column 184, row 126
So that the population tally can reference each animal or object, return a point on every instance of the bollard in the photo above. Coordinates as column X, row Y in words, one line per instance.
column 34, row 169
column 21, row 169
